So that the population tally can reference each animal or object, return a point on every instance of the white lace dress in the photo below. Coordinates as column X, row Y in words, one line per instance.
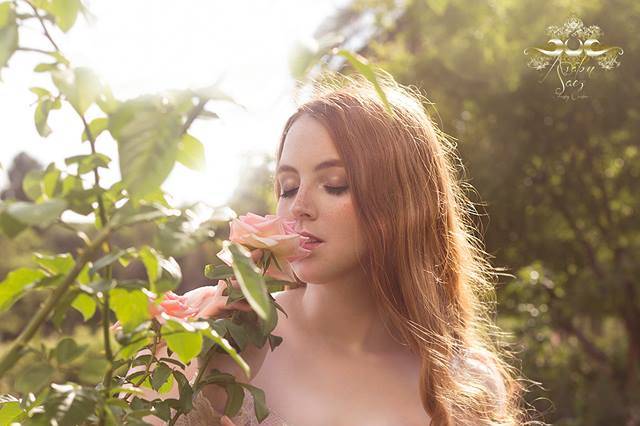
column 203, row 414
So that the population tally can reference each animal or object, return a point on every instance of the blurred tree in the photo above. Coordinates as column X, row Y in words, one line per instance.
column 22, row 164
column 254, row 192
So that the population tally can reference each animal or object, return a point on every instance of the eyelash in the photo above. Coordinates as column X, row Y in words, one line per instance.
column 330, row 189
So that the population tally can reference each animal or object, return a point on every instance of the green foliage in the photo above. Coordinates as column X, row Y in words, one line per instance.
column 16, row 283
column 65, row 12
column 362, row 66
column 8, row 32
column 182, row 339
column 80, row 86
column 251, row 281
column 191, row 152
column 148, row 132
column 130, row 307
column 62, row 375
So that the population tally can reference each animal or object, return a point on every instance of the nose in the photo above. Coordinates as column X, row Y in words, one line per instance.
column 301, row 206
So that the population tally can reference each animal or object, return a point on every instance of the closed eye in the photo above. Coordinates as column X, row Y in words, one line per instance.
column 335, row 190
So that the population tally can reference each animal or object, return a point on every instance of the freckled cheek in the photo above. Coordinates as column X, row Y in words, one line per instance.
column 345, row 225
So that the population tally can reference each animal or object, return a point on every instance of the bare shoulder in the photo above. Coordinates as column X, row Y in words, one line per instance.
column 287, row 295
column 482, row 364
column 288, row 300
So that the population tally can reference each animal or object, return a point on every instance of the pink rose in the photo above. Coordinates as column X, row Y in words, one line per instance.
column 202, row 302
column 271, row 233
column 172, row 304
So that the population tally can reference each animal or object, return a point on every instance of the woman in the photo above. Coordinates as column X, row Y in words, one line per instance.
column 386, row 325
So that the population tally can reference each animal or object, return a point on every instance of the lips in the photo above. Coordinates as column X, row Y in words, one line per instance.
column 310, row 245
column 311, row 238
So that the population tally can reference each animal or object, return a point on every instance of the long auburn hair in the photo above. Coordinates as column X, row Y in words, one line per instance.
column 427, row 271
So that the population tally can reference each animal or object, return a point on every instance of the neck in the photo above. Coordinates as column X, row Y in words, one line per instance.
column 342, row 315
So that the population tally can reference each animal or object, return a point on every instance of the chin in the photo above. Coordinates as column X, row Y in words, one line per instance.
column 309, row 271
column 306, row 272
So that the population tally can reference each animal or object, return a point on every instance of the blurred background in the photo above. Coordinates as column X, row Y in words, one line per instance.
column 554, row 179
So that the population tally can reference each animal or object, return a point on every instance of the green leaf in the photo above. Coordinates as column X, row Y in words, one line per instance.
column 268, row 325
column 106, row 102
column 40, row 92
column 86, row 163
column 126, row 258
column 110, row 258
column 8, row 32
column 191, row 153
column 238, row 334
column 51, row 183
column 274, row 341
column 160, row 376
column 55, row 264
column 80, row 200
column 129, row 349
column 182, row 338
column 173, row 361
column 186, row 391
column 163, row 409
column 59, row 57
column 151, row 260
column 362, row 65
column 9, row 225
column 61, row 309
column 40, row 185
column 32, row 184
column 67, row 350
column 148, row 132
column 41, row 115
column 218, row 272
column 92, row 369
column 81, row 86
column 167, row 386
column 42, row 214
column 7, row 13
column 208, row 115
column 171, row 275
column 72, row 184
column 127, row 215
column 217, row 377
column 45, row 66
column 251, row 280
column 235, row 396
column 9, row 410
column 259, row 401
column 16, row 283
column 65, row 12
column 97, row 126
column 34, row 378
column 130, row 306
column 84, row 304
column 230, row 350
column 71, row 404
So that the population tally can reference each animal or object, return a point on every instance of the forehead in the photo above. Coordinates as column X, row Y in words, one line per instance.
column 307, row 142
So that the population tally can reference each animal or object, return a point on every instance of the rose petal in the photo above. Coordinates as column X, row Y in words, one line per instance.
column 272, row 233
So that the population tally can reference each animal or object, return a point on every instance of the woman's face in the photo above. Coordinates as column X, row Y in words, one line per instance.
column 314, row 192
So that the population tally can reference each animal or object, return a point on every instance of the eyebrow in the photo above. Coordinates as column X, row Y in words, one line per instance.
column 324, row 165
